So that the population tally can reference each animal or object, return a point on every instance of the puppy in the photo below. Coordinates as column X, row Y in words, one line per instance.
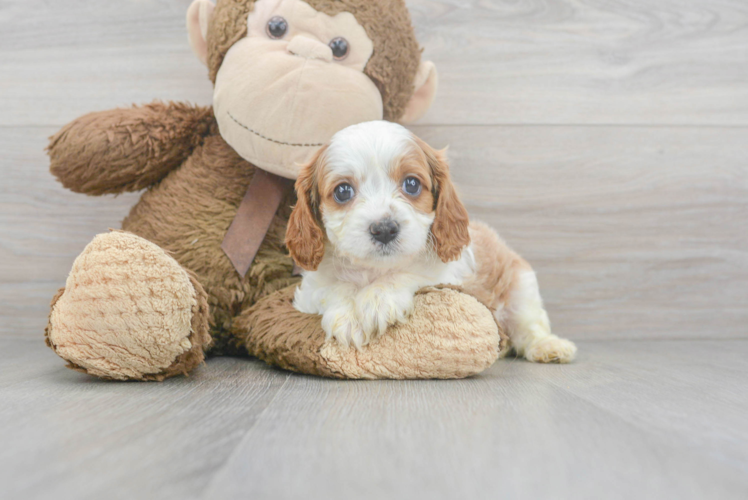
column 377, row 219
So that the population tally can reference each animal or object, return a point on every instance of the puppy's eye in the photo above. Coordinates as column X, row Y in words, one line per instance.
column 344, row 193
column 277, row 27
column 412, row 186
column 339, row 48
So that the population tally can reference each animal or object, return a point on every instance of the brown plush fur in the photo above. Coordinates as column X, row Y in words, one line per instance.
column 184, row 363
column 131, row 150
column 392, row 67
column 464, row 339
column 129, row 311
column 188, row 214
column 189, row 211
column 278, row 334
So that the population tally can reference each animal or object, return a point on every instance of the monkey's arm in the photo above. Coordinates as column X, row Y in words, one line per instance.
column 449, row 335
column 126, row 149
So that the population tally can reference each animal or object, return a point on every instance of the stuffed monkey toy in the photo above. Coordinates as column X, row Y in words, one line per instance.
column 200, row 264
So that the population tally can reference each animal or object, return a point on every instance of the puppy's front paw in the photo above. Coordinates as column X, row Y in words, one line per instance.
column 379, row 307
column 551, row 350
column 341, row 324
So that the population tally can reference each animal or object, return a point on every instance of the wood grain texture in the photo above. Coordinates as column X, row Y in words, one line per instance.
column 66, row 435
column 630, row 419
column 606, row 140
column 500, row 61
column 599, row 429
column 670, row 62
column 43, row 228
column 62, row 59
column 635, row 232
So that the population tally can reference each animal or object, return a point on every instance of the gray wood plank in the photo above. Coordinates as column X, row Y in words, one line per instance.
column 635, row 232
column 690, row 392
column 43, row 227
column 501, row 61
column 649, row 420
column 587, row 61
column 61, row 59
column 66, row 435
column 630, row 419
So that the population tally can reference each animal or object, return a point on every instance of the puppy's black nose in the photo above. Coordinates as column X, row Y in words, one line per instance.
column 384, row 231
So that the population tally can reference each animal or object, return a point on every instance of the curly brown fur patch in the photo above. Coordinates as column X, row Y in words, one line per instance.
column 450, row 335
column 188, row 214
column 129, row 149
column 392, row 67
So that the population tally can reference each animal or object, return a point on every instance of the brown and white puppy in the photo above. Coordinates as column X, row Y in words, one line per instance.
column 377, row 219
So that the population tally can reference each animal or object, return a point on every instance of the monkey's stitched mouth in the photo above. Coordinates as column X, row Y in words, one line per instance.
column 311, row 145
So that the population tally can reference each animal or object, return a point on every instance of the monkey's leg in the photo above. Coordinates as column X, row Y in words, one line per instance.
column 449, row 335
column 129, row 312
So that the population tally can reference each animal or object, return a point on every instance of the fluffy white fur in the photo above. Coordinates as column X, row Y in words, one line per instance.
column 361, row 286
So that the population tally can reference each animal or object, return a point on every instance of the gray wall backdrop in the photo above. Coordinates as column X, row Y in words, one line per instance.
column 606, row 141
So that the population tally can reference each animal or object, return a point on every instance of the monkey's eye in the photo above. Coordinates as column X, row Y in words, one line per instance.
column 344, row 193
column 412, row 186
column 339, row 48
column 277, row 27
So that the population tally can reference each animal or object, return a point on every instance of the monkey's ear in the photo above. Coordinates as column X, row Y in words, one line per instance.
column 198, row 20
column 426, row 83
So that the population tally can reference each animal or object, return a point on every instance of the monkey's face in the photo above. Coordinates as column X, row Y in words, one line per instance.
column 288, row 76
column 295, row 80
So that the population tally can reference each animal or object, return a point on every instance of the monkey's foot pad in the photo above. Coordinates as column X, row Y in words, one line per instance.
column 129, row 311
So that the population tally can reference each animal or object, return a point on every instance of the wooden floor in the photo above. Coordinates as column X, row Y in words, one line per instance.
column 606, row 140
column 631, row 419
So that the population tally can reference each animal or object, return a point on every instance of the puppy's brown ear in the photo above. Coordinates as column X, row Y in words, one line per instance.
column 451, row 221
column 305, row 238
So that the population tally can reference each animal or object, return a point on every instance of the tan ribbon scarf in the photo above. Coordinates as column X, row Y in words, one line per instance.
column 253, row 219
